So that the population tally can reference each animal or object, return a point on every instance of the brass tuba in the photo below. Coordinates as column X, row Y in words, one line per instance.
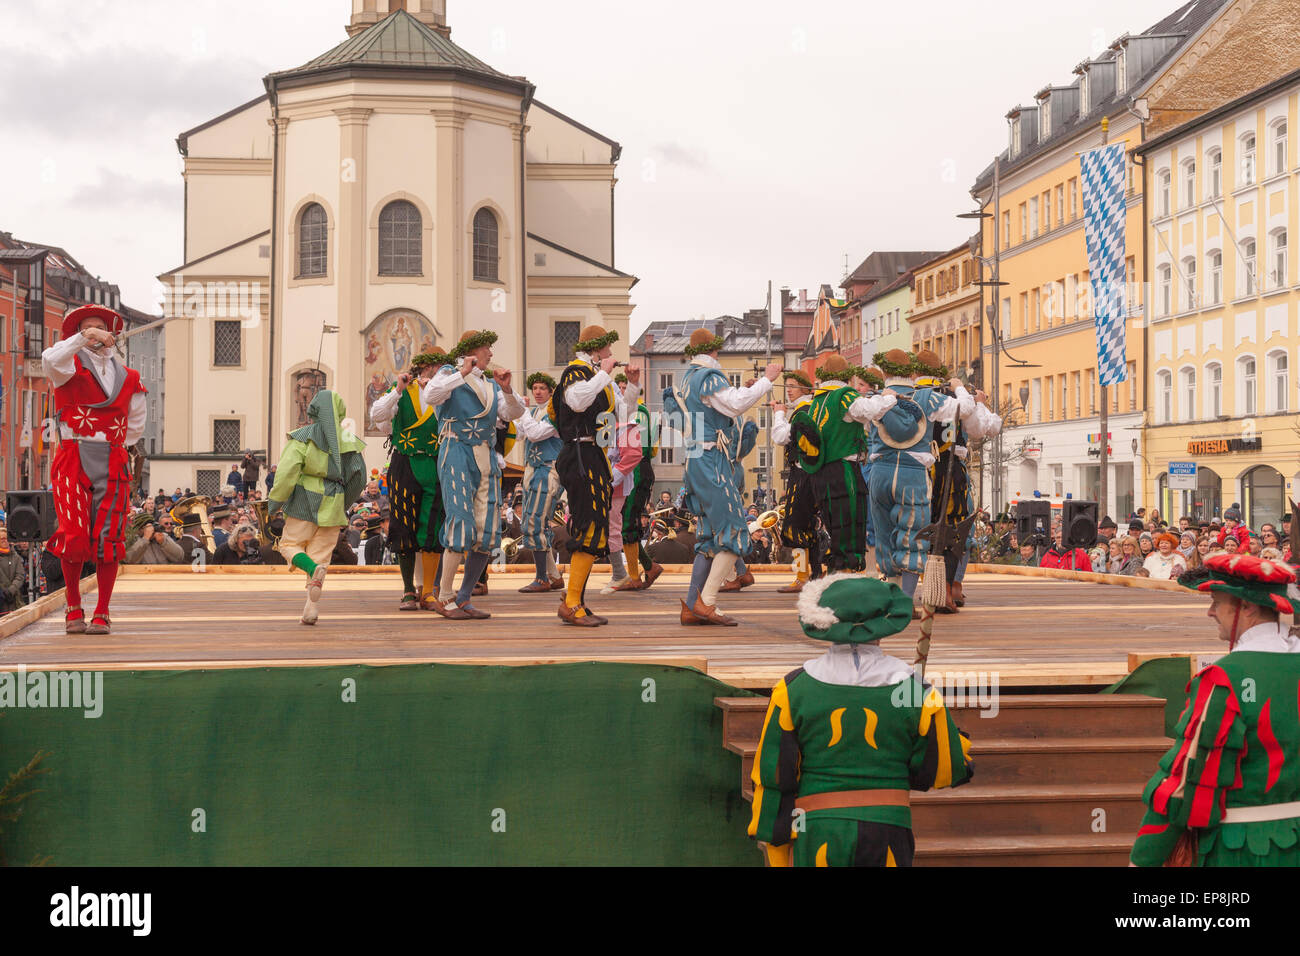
column 765, row 522
column 265, row 537
column 196, row 504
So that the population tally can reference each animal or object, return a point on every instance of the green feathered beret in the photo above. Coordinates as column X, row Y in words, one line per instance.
column 852, row 609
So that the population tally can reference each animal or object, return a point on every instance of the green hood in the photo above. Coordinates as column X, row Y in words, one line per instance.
column 328, row 414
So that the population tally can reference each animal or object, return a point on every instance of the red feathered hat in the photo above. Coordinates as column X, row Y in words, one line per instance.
column 72, row 321
column 1257, row 580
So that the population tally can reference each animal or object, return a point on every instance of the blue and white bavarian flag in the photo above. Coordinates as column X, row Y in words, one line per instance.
column 1104, row 213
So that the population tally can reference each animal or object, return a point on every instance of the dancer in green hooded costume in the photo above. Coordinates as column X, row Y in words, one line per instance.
column 320, row 475
column 848, row 735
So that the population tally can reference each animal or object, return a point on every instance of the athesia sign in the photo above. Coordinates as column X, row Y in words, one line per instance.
column 1221, row 446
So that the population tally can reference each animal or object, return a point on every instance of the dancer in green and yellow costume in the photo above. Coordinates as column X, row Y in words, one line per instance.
column 848, row 735
column 417, row 512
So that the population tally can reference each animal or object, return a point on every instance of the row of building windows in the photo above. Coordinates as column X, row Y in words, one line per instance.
column 1039, row 212
column 1068, row 299
column 950, row 279
column 401, row 239
column 1190, row 403
column 1056, row 398
column 1188, row 296
column 1214, row 184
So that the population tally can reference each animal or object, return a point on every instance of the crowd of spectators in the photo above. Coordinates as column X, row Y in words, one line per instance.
column 1150, row 547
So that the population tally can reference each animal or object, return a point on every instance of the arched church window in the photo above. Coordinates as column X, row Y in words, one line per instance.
column 486, row 250
column 400, row 229
column 313, row 241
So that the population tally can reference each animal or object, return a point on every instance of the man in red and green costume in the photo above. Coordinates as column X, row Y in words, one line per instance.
column 416, row 520
column 1228, row 792
column 849, row 735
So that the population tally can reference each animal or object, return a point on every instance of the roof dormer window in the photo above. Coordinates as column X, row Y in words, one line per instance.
column 1083, row 94
column 1044, row 119
column 1121, row 72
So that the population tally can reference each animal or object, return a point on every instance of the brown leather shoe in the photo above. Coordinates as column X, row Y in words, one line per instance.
column 557, row 584
column 74, row 625
column 470, row 611
column 453, row 613
column 957, row 595
column 569, row 615
column 479, row 590
column 430, row 603
column 791, row 588
column 688, row 618
column 537, row 587
column 595, row 617
column 746, row 579
column 710, row 615
column 99, row 624
column 409, row 603
column 652, row 575
column 631, row 584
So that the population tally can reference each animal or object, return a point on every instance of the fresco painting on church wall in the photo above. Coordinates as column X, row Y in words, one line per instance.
column 390, row 343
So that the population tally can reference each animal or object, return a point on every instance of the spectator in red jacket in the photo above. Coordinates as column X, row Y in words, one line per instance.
column 1232, row 526
column 1068, row 559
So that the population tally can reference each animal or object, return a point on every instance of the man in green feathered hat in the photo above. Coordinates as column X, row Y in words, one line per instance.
column 320, row 475
column 848, row 735
column 1228, row 791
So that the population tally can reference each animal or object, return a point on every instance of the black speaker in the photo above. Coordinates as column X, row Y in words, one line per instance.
column 1079, row 520
column 1034, row 523
column 29, row 515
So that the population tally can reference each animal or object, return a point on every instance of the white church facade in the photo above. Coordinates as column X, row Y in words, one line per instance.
column 375, row 203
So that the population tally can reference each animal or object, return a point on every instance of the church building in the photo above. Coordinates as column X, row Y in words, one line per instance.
column 376, row 202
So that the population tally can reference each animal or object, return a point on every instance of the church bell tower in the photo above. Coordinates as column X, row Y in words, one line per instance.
column 432, row 13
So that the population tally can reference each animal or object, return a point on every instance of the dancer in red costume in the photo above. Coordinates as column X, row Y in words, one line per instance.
column 101, row 410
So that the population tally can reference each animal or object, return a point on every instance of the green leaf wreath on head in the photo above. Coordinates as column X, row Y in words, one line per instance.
column 712, row 345
column 797, row 377
column 473, row 343
column 540, row 377
column 595, row 345
column 899, row 369
column 824, row 374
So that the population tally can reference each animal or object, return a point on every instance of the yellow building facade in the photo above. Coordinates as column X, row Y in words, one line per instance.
column 1223, row 206
column 1033, row 235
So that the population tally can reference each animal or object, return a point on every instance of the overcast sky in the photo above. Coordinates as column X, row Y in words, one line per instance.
column 761, row 140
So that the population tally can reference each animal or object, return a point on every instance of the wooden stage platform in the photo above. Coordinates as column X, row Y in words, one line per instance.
column 1032, row 632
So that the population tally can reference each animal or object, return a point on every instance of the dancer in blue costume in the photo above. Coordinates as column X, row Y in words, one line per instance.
column 900, row 454
column 707, row 407
column 541, row 485
column 954, row 439
column 469, row 405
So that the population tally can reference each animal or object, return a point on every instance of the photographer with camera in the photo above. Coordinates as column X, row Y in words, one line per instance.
column 241, row 548
column 154, row 546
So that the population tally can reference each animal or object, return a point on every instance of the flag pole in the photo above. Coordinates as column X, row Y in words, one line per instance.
column 1103, row 502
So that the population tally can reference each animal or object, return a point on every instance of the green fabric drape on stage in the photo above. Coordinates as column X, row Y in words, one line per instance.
column 1165, row 677
column 432, row 764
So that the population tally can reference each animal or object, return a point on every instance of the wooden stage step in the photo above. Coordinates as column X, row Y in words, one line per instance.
column 1058, row 780
column 1099, row 849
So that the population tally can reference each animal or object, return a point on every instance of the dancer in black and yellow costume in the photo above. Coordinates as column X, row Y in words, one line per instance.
column 416, row 519
column 848, row 735
column 799, row 505
column 584, row 399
